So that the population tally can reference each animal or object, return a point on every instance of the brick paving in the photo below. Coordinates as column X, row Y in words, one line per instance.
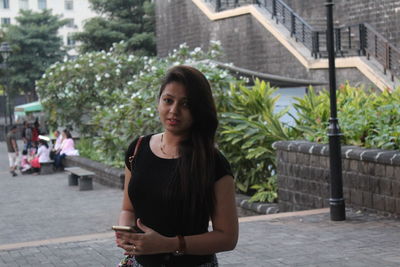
column 44, row 222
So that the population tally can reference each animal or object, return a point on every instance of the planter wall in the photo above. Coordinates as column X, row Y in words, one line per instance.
column 371, row 177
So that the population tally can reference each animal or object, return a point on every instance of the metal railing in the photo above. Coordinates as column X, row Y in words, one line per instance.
column 384, row 52
column 350, row 40
column 221, row 5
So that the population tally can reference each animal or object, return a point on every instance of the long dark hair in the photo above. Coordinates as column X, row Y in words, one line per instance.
column 43, row 142
column 194, row 182
column 67, row 133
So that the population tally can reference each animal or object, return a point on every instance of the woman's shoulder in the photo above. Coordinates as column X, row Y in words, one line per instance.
column 132, row 145
column 143, row 137
column 222, row 165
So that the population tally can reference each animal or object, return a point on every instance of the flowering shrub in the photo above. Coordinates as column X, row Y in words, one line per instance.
column 112, row 96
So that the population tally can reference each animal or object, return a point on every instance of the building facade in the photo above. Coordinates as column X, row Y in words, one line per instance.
column 76, row 11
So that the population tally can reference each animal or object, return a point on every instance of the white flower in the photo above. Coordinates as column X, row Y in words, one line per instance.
column 107, row 75
column 98, row 78
column 130, row 83
column 62, row 68
column 153, row 68
column 197, row 49
column 91, row 65
column 77, row 66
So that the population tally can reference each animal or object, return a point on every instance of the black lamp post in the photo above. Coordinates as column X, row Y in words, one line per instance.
column 336, row 202
column 5, row 52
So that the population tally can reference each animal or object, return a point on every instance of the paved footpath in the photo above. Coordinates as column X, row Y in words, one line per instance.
column 44, row 222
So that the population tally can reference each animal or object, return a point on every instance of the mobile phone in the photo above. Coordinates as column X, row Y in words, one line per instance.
column 123, row 228
column 131, row 229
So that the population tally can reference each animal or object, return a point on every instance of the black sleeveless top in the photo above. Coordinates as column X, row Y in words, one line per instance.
column 150, row 178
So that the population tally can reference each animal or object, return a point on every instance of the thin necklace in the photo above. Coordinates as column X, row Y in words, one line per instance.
column 162, row 146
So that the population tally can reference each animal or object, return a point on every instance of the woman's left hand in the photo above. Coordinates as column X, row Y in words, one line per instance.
column 149, row 242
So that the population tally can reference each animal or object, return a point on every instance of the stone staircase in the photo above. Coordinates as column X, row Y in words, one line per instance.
column 348, row 42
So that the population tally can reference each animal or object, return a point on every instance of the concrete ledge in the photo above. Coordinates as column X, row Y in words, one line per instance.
column 258, row 207
column 387, row 157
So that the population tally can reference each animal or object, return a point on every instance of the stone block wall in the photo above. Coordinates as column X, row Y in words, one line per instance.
column 246, row 43
column 371, row 177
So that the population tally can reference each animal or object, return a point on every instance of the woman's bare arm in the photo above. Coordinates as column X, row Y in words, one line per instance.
column 127, row 215
column 224, row 223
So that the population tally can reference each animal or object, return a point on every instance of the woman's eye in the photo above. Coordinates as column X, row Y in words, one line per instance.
column 185, row 104
column 167, row 100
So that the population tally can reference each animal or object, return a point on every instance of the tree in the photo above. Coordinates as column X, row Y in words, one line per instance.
column 129, row 20
column 36, row 45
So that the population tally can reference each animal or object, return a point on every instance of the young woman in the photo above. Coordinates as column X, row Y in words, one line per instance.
column 178, row 181
column 67, row 148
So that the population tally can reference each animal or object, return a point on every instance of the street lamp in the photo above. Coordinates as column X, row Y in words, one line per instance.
column 336, row 201
column 5, row 51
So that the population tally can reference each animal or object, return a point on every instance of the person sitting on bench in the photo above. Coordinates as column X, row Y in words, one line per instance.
column 67, row 149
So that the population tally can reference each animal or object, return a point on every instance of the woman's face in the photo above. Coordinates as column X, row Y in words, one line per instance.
column 173, row 109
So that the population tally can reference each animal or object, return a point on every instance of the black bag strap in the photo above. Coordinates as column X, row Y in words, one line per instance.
column 131, row 158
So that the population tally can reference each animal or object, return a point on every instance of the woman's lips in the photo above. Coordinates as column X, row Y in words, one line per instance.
column 172, row 121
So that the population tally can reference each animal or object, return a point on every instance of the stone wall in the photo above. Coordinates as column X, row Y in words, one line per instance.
column 245, row 41
column 371, row 177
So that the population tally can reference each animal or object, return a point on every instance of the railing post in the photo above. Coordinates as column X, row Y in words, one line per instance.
column 292, row 25
column 274, row 13
column 363, row 40
column 315, row 44
column 386, row 59
column 338, row 41
column 349, row 36
column 218, row 5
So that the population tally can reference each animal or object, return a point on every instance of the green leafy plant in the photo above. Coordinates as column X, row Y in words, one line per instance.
column 366, row 118
column 248, row 131
column 266, row 191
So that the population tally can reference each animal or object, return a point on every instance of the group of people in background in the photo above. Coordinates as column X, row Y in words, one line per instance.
column 37, row 150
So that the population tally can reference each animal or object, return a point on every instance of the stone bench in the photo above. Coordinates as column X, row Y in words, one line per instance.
column 47, row 167
column 85, row 178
